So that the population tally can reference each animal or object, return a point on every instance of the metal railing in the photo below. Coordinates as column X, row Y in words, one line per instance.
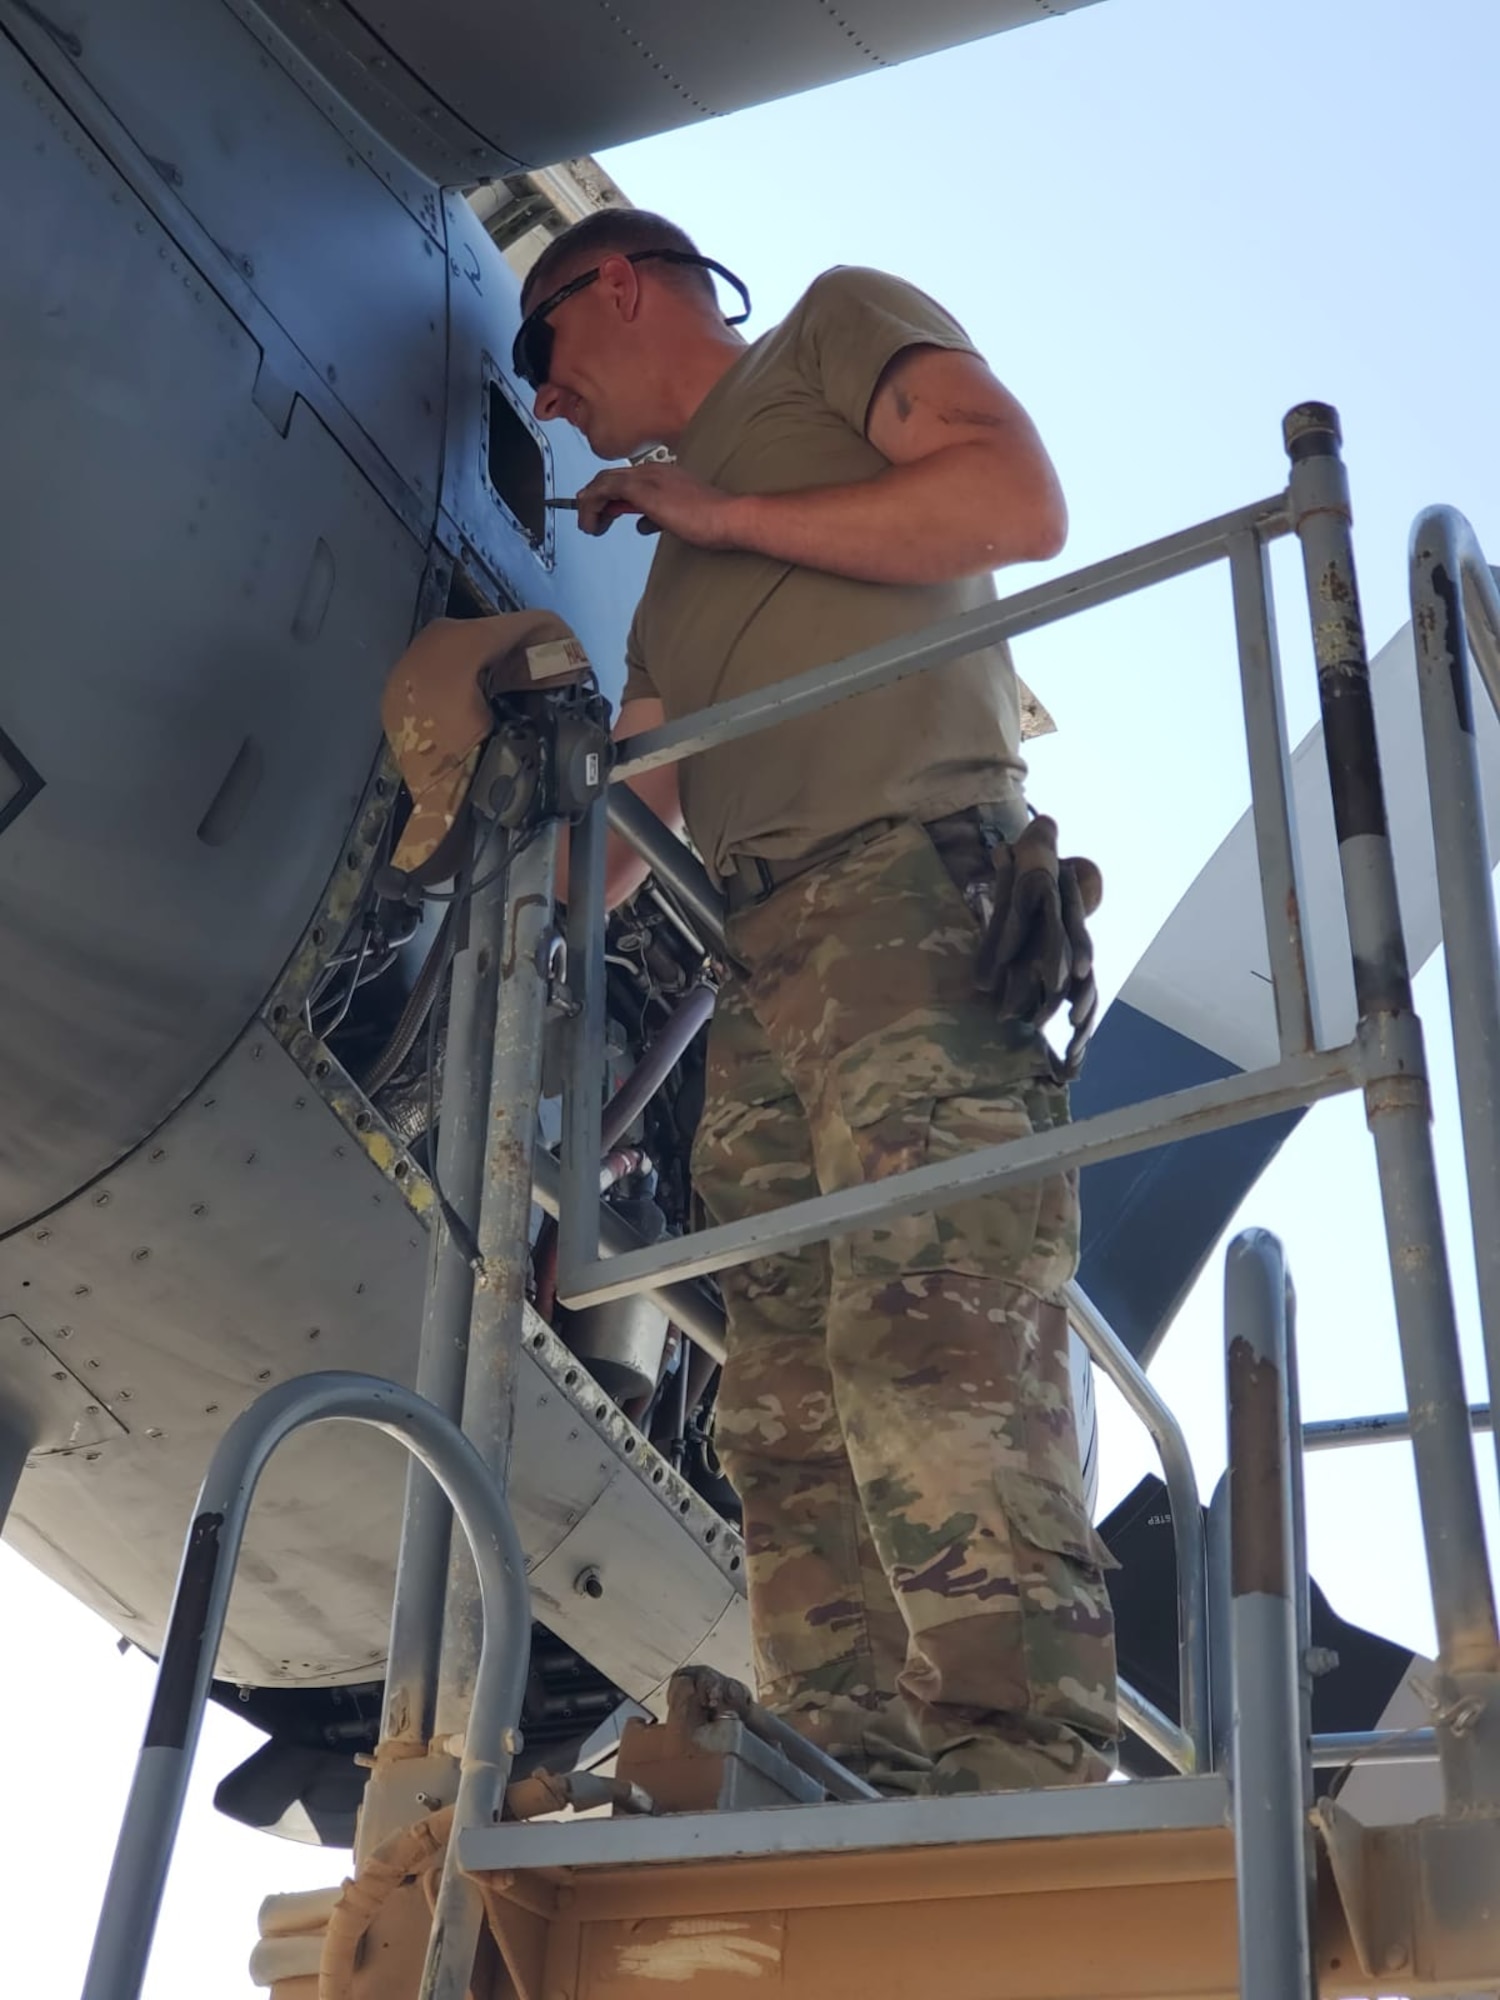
column 1305, row 1074
column 1384, row 1060
column 459, row 1647
column 1335, row 1433
column 1189, row 1746
column 1455, row 610
column 153, row 1812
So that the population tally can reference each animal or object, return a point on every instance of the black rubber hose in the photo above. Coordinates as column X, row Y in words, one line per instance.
column 419, row 1003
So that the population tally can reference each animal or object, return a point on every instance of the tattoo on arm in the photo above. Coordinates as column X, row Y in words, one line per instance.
column 901, row 400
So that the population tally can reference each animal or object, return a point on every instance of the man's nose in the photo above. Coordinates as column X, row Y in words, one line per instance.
column 548, row 404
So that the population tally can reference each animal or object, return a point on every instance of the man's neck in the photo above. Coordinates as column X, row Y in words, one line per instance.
column 697, row 367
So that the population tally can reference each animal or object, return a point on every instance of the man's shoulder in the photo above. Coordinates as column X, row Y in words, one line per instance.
column 858, row 301
column 855, row 283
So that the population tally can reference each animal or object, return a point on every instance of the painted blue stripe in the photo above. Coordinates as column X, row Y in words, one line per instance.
column 1150, row 1221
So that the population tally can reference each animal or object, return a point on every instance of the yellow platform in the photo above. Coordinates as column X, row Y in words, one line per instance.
column 1124, row 1892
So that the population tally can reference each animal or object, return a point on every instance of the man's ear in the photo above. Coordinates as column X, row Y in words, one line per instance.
column 621, row 281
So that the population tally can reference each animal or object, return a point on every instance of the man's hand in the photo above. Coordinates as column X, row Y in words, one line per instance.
column 967, row 487
column 664, row 495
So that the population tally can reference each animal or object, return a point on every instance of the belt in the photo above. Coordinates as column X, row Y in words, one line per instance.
column 755, row 879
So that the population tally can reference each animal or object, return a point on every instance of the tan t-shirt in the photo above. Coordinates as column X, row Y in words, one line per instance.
column 712, row 624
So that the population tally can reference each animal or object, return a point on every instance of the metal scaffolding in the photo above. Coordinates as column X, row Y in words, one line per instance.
column 1243, row 1669
column 1384, row 1060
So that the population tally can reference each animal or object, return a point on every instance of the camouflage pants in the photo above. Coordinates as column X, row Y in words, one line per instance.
column 926, row 1595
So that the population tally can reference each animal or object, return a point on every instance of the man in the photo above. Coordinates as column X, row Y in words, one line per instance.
column 925, row 1585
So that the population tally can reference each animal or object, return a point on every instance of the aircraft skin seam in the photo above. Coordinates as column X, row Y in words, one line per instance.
column 864, row 48
column 617, row 19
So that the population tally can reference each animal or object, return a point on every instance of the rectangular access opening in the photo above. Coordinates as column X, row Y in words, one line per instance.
column 516, row 461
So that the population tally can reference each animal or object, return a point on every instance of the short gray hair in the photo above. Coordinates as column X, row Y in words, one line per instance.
column 612, row 232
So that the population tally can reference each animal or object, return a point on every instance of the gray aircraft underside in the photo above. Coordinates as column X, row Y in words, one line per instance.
column 258, row 427
column 258, row 409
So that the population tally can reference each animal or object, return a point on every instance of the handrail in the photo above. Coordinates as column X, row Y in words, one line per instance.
column 1189, row 1539
column 1443, row 536
column 1455, row 608
column 153, row 1812
column 1237, row 539
column 1398, row 1106
column 919, row 652
column 1159, row 1732
column 1330, row 1433
column 1374, row 1746
column 1109, row 1135
column 1384, row 1061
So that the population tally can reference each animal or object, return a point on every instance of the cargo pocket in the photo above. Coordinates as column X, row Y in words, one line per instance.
column 1067, row 1629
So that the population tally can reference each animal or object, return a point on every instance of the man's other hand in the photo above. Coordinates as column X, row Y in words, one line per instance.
column 663, row 494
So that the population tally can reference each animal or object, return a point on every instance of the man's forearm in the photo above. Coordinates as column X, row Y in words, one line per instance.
column 959, row 512
column 624, row 869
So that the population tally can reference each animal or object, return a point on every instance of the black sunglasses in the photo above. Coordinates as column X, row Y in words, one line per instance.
column 531, row 355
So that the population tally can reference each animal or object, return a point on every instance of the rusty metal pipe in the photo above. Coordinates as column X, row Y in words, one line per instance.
column 1455, row 613
column 412, row 1661
column 499, row 1302
column 1398, row 1108
column 1270, row 1751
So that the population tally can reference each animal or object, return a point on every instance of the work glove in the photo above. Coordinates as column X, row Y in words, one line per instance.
column 1036, row 953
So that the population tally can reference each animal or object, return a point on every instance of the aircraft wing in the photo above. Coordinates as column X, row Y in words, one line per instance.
column 471, row 92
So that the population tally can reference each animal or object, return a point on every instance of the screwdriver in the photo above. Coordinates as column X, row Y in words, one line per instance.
column 644, row 526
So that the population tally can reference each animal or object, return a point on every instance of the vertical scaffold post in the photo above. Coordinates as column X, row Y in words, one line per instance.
column 401, row 1765
column 499, row 1304
column 1221, row 1675
column 1398, row 1109
column 496, row 1322
column 1270, row 1750
column 1301, row 1595
column 583, row 1110
column 1446, row 569
column 1271, row 792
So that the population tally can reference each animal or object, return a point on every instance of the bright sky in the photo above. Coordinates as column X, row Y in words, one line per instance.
column 1164, row 223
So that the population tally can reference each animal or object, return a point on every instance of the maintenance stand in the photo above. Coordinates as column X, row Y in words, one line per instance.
column 724, row 1855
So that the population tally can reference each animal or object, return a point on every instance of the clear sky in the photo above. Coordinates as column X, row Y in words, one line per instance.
column 1164, row 223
